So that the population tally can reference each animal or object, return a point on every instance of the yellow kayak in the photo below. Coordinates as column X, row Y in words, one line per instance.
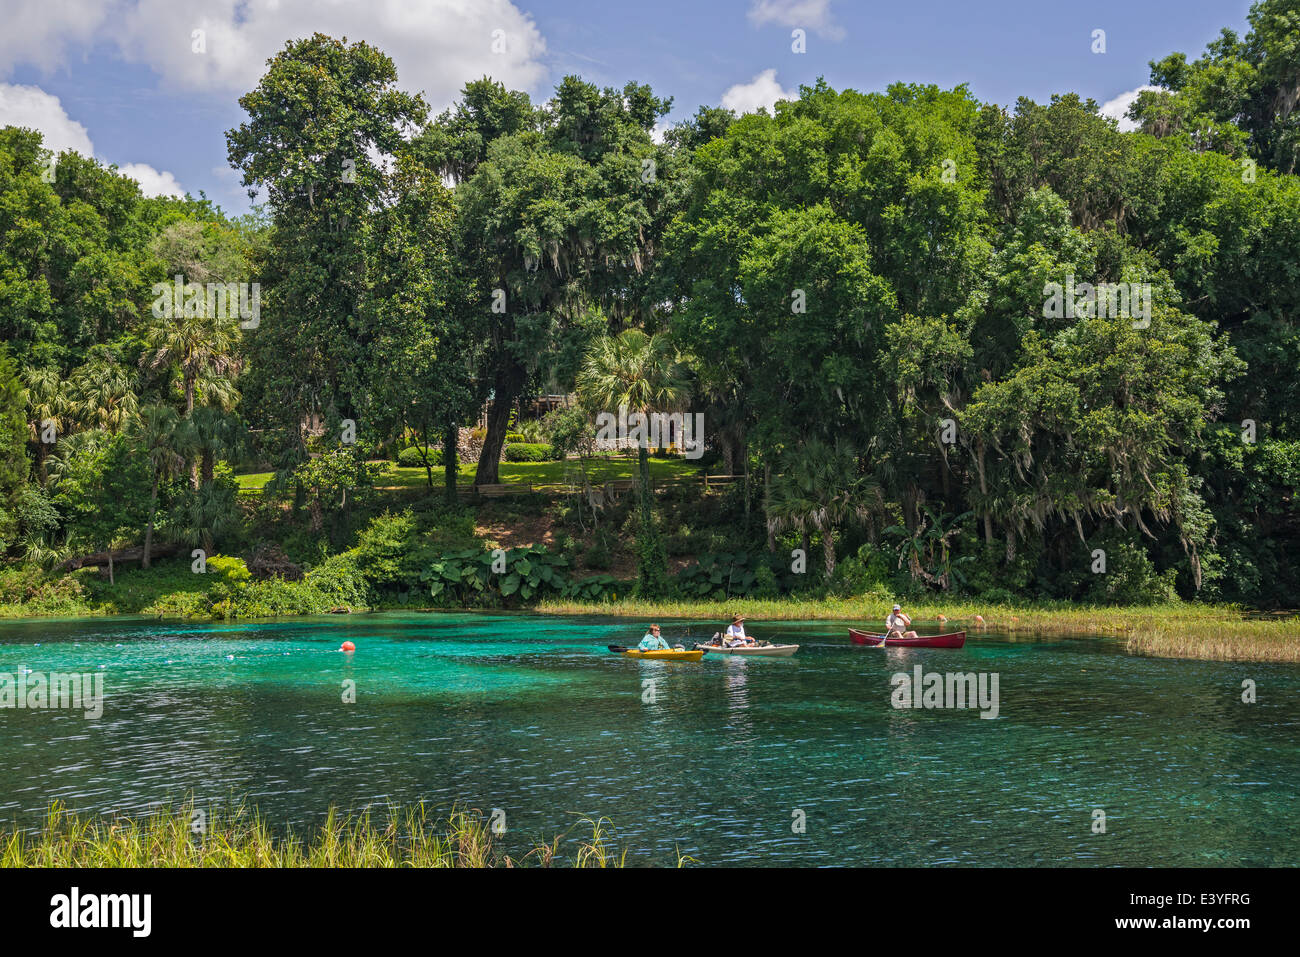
column 675, row 654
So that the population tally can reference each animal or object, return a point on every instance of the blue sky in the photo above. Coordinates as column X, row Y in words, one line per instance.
column 122, row 78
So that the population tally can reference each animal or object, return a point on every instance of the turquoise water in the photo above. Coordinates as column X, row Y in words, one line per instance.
column 531, row 715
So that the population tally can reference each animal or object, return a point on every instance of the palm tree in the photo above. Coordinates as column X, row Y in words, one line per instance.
column 205, row 517
column 215, row 433
column 201, row 346
column 47, row 401
column 644, row 374
column 818, row 489
column 162, row 437
column 101, row 395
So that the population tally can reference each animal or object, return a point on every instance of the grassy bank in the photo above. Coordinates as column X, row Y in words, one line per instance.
column 599, row 471
column 1213, row 632
column 171, row 589
column 399, row 837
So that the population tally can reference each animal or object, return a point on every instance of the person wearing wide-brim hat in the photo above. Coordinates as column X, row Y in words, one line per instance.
column 736, row 632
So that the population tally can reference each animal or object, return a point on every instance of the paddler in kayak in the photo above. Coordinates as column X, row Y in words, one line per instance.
column 652, row 641
column 895, row 624
column 735, row 635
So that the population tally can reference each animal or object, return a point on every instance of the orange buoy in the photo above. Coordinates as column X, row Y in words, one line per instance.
column 979, row 619
column 943, row 617
column 348, row 646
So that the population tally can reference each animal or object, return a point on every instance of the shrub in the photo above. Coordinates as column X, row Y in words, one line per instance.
column 382, row 545
column 724, row 575
column 868, row 571
column 529, row 452
column 765, row 583
column 339, row 581
column 597, row 555
column 229, row 567
column 1130, row 577
column 467, row 577
column 411, row 457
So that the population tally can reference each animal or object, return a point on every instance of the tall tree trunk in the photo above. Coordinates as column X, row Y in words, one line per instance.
column 828, row 551
column 643, row 463
column 767, row 492
column 508, row 383
column 207, row 466
column 190, row 383
column 984, row 491
column 148, row 530
column 450, row 465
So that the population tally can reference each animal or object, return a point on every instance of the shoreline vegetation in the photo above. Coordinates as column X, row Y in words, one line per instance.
column 1209, row 632
column 402, row 836
column 1175, row 630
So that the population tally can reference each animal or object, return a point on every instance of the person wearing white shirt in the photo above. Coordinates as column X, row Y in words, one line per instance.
column 896, row 623
column 736, row 633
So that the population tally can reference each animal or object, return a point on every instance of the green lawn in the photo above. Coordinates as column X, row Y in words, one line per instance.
column 599, row 470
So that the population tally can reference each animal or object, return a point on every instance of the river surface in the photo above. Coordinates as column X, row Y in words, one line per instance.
column 798, row 761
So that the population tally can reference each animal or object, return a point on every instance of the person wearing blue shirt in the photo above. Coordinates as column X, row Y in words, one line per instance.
column 652, row 641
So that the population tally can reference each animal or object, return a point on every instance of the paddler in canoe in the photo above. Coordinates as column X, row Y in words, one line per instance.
column 896, row 622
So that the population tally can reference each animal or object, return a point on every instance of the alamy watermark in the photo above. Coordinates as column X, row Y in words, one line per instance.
column 653, row 430
column 946, row 690
column 214, row 300
column 1114, row 300
column 38, row 691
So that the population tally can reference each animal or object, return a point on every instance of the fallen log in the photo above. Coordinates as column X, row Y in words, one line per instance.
column 132, row 554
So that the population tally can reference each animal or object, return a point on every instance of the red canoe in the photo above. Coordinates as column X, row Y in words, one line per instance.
column 954, row 640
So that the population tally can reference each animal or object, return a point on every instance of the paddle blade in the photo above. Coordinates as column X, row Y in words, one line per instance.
column 617, row 649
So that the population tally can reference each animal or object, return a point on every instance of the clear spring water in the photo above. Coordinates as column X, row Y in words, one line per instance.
column 532, row 715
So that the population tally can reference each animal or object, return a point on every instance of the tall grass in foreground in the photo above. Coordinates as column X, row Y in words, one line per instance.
column 1182, row 630
column 401, row 837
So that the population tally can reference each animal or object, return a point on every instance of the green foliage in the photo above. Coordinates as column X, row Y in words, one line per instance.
column 230, row 568
column 383, row 546
column 1130, row 577
column 40, row 593
column 530, row 452
column 468, row 578
column 869, row 572
column 721, row 575
column 414, row 457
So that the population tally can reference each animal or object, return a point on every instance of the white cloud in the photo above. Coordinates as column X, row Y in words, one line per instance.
column 436, row 45
column 152, row 182
column 39, row 32
column 761, row 92
column 32, row 107
column 812, row 15
column 1118, row 107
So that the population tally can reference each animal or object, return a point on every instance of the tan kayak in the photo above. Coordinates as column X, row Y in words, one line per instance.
column 764, row 651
